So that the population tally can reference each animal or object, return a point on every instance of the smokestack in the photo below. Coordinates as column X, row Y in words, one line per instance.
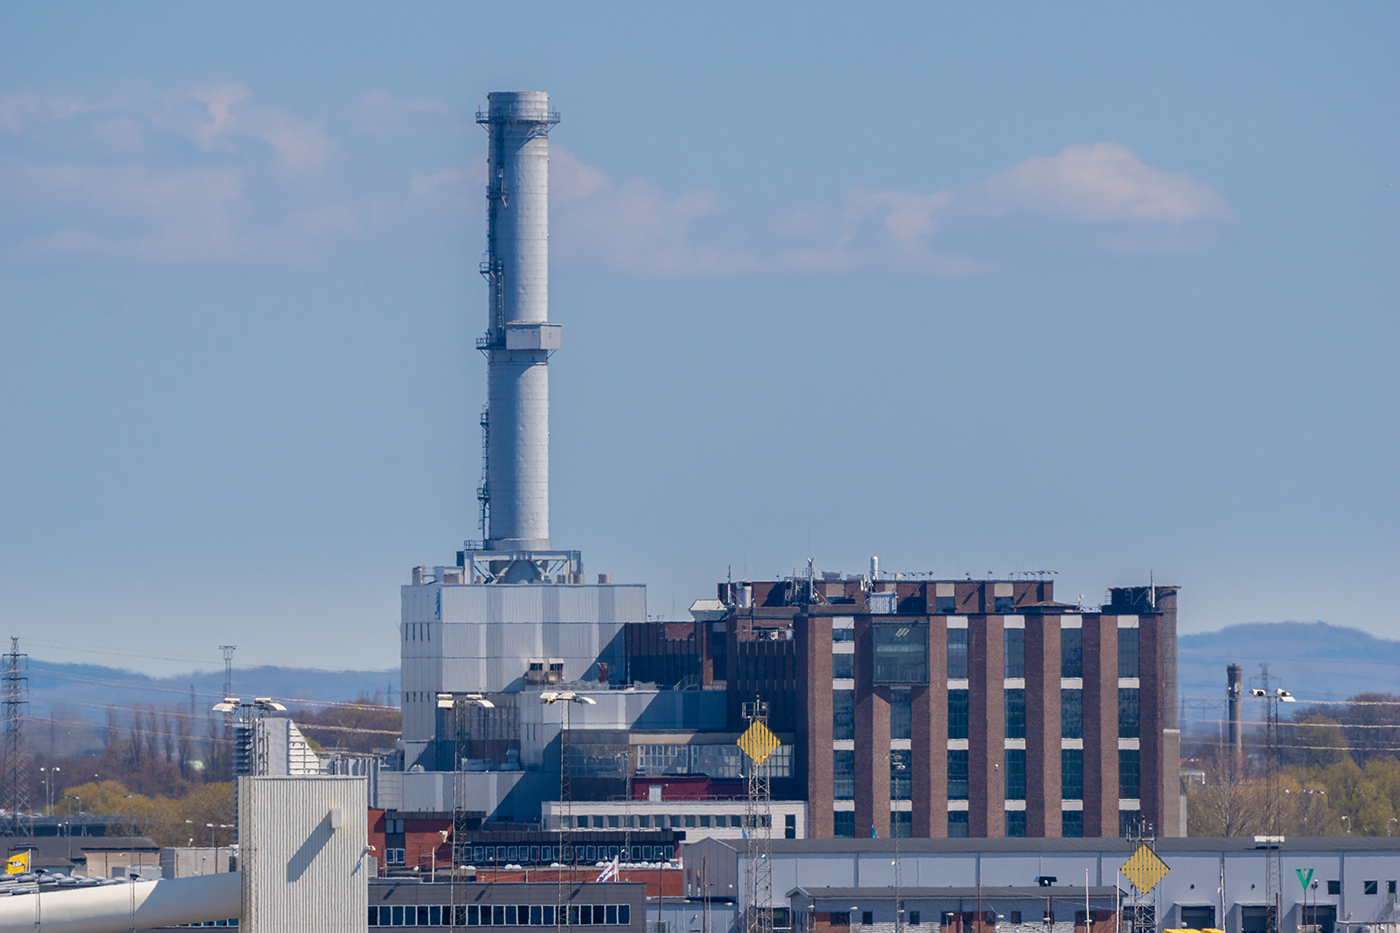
column 1234, row 679
column 519, row 338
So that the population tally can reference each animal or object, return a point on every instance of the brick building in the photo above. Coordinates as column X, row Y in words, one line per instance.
column 961, row 708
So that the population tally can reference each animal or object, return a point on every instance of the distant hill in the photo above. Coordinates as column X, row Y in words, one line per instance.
column 84, row 690
column 1313, row 660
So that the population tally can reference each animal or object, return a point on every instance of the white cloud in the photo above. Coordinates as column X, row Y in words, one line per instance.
column 1095, row 184
column 200, row 175
column 300, row 144
column 210, row 173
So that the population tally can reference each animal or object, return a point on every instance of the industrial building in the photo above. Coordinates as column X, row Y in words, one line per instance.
column 1210, row 883
column 923, row 708
column 963, row 708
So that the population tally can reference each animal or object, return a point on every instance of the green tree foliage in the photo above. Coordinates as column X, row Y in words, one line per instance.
column 170, row 821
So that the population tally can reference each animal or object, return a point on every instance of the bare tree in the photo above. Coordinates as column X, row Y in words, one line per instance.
column 1230, row 803
column 167, row 735
column 135, row 741
column 112, row 733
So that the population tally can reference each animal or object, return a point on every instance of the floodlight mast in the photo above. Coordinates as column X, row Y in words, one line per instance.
column 562, row 919
column 1273, row 875
column 459, row 703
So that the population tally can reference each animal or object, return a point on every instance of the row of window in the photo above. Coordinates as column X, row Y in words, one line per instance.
column 477, row 855
column 1071, row 826
column 1071, row 774
column 498, row 915
column 1014, row 653
column 720, row 761
column 668, row 821
column 843, row 707
column 901, row 651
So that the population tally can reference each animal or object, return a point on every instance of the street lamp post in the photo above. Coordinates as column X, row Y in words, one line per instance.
column 49, row 774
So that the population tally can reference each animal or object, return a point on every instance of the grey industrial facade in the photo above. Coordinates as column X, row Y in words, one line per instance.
column 1210, row 883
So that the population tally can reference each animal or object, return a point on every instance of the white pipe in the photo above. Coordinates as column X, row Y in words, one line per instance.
column 120, row 908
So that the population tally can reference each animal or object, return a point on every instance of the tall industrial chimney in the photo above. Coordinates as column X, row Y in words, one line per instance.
column 1234, row 679
column 519, row 338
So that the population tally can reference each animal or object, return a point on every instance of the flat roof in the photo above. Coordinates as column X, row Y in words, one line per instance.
column 1356, row 844
column 988, row 893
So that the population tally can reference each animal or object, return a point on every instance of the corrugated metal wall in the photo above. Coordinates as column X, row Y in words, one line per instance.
column 301, row 874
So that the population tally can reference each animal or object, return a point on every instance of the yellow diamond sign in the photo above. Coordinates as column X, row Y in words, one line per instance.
column 758, row 743
column 1144, row 869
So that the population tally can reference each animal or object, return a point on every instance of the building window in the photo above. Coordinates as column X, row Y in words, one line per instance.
column 1128, row 710
column 1071, row 714
column 946, row 605
column 1334, row 888
column 901, row 774
column 957, row 774
column 790, row 826
column 1368, row 887
column 843, row 634
column 1129, row 776
column 901, row 653
column 1004, row 604
column 1071, row 652
column 1016, row 713
column 843, row 714
column 958, row 826
column 957, row 654
column 867, row 918
column 1129, row 820
column 1015, row 774
column 1072, row 773
column 1013, row 650
column 1016, row 825
column 958, row 704
column 1127, row 652
column 844, row 824
column 901, row 824
column 841, row 919
column 901, row 713
column 843, row 774
column 843, row 666
column 914, row 914
column 1072, row 824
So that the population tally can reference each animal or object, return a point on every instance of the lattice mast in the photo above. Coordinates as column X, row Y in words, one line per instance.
column 1144, row 871
column 16, row 755
column 227, row 743
column 758, row 743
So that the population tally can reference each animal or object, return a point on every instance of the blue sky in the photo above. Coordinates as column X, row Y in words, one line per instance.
column 1101, row 290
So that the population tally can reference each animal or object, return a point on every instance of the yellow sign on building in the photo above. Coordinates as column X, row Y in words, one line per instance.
column 1144, row 869
column 18, row 863
column 758, row 743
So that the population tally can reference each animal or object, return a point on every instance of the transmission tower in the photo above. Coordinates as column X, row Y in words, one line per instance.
column 16, row 759
column 758, row 743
